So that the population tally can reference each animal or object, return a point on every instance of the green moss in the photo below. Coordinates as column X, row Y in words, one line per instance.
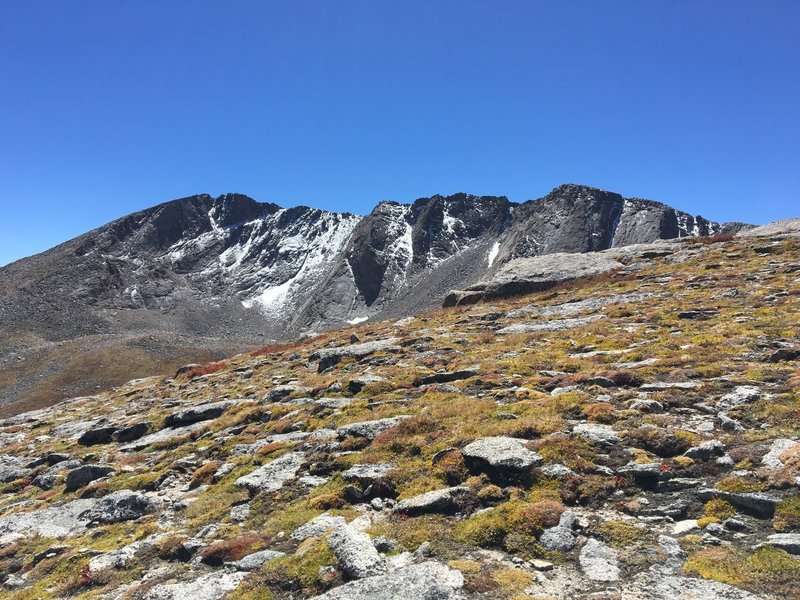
column 787, row 514
column 739, row 485
column 719, row 509
column 621, row 534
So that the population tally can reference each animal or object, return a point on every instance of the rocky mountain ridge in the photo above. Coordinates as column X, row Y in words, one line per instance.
column 631, row 434
column 225, row 273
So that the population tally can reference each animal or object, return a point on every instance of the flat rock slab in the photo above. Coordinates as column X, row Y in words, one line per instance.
column 448, row 501
column 548, row 326
column 599, row 561
column 652, row 585
column 329, row 357
column 597, row 433
column 448, row 376
column 772, row 459
column 165, row 435
column 369, row 429
column 366, row 474
column 195, row 414
column 208, row 587
column 272, row 476
column 790, row 542
column 428, row 580
column 124, row 505
column 788, row 227
column 53, row 521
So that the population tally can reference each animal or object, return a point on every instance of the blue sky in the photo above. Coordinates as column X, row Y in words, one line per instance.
column 110, row 107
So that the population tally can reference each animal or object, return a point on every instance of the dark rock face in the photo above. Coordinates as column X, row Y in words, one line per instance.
column 224, row 273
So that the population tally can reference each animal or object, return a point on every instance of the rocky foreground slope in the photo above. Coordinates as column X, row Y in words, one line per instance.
column 630, row 435
column 199, row 277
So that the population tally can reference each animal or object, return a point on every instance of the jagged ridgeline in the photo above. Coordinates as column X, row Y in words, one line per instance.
column 200, row 277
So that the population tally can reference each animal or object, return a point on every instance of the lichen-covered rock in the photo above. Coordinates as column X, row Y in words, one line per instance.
column 501, row 453
column 460, row 499
column 329, row 357
column 211, row 586
column 124, row 505
column 744, row 394
column 597, row 433
column 761, row 504
column 429, row 580
column 355, row 552
column 54, row 521
column 366, row 474
column 317, row 526
column 254, row 561
column 598, row 561
column 369, row 429
column 272, row 476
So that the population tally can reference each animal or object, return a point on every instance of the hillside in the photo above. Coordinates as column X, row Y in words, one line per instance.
column 633, row 434
column 199, row 278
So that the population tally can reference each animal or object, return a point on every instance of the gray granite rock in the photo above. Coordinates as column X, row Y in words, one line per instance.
column 448, row 501
column 501, row 453
column 429, row 580
column 355, row 552
column 598, row 561
column 369, row 429
column 272, row 476
column 124, row 505
column 254, row 561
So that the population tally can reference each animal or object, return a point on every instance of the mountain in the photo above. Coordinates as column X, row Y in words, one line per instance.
column 634, row 434
column 213, row 275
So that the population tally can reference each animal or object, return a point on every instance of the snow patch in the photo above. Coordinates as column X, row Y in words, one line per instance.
column 493, row 253
column 357, row 320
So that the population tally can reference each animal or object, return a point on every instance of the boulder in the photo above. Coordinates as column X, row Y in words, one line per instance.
column 503, row 454
column 449, row 501
column 124, row 505
column 706, row 450
column 101, row 434
column 272, row 476
column 355, row 552
column 597, row 433
column 85, row 474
